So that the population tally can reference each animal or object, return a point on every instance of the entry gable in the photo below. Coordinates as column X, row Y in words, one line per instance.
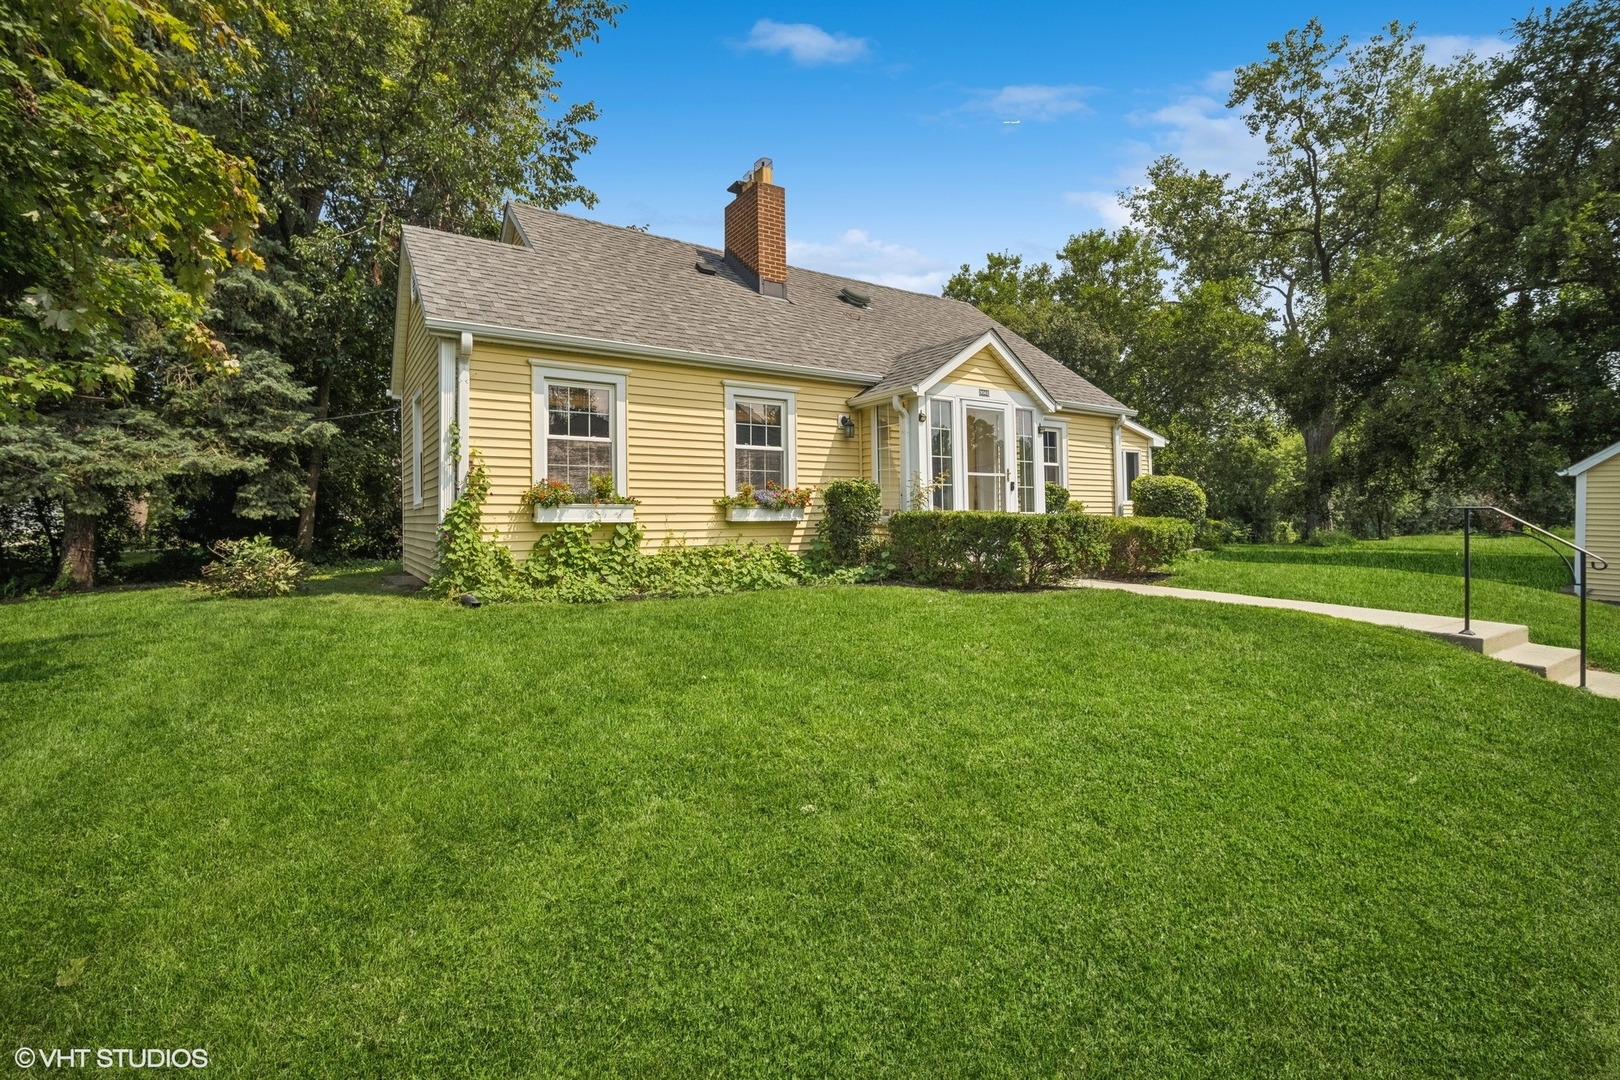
column 919, row 372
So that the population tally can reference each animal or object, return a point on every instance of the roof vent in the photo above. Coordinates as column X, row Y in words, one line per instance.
column 705, row 268
column 850, row 296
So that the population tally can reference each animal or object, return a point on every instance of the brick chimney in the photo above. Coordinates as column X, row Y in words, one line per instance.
column 756, row 229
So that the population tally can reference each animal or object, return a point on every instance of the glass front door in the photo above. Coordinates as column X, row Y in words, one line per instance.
column 986, row 459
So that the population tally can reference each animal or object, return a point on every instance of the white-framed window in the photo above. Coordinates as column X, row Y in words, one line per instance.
column 942, row 451
column 760, row 429
column 416, row 449
column 579, row 424
column 1024, row 429
column 1054, row 468
column 885, row 462
column 1133, row 469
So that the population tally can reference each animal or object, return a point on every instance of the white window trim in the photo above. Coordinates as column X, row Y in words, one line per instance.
column 955, row 427
column 1062, row 428
column 877, row 447
column 614, row 379
column 1125, row 480
column 416, row 449
column 787, row 397
column 1580, row 525
column 1037, row 478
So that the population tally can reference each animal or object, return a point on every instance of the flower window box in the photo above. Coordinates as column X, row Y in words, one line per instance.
column 585, row 514
column 760, row 513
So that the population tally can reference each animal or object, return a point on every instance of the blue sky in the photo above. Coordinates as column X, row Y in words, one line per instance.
column 891, row 125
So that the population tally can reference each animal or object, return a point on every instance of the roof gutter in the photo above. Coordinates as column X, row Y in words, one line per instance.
column 1095, row 410
column 624, row 349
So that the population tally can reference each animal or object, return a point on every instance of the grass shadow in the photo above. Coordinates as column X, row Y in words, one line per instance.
column 42, row 659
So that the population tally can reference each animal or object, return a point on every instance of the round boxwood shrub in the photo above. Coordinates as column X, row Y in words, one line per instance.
column 1169, row 496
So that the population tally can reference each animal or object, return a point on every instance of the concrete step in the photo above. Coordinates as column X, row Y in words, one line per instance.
column 1489, row 638
column 1548, row 661
column 1500, row 641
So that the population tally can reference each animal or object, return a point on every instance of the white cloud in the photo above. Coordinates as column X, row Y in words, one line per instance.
column 856, row 254
column 1205, row 134
column 1031, row 102
column 1104, row 204
column 805, row 43
column 1444, row 48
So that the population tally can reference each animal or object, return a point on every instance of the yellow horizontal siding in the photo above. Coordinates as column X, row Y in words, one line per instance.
column 1603, row 526
column 1091, row 461
column 420, row 376
column 984, row 368
column 675, row 446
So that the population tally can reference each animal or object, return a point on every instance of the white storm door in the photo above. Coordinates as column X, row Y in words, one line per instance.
column 989, row 464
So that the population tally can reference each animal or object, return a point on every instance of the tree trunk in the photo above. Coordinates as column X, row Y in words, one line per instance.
column 317, row 454
column 78, row 550
column 1318, row 460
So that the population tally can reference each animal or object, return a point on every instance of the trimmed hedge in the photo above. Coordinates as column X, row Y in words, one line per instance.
column 852, row 509
column 1169, row 496
column 982, row 550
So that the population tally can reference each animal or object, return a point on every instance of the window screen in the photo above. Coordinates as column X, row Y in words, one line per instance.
column 761, row 453
column 1051, row 463
column 579, row 434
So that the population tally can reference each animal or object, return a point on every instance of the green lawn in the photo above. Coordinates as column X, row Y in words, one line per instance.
column 1516, row 580
column 841, row 831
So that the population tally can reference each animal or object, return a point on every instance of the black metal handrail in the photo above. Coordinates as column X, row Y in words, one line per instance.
column 1589, row 561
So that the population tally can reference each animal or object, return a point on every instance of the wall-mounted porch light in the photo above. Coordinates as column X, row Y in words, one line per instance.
column 846, row 424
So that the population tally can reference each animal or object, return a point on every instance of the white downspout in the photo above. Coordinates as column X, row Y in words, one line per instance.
column 463, row 407
column 1119, row 468
column 447, row 413
column 905, row 451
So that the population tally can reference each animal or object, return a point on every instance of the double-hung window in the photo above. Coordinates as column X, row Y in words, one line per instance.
column 579, row 433
column 759, row 437
column 941, row 448
column 1052, row 455
column 760, row 456
column 579, row 426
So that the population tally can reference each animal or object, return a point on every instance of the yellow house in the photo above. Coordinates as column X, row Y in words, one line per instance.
column 571, row 349
column 1597, row 517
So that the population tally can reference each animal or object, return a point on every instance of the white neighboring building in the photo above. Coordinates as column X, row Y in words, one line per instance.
column 1597, row 516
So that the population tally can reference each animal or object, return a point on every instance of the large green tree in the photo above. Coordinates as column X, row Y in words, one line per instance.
column 1315, row 226
column 116, row 220
column 361, row 116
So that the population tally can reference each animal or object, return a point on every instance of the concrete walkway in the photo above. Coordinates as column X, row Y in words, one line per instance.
column 1499, row 641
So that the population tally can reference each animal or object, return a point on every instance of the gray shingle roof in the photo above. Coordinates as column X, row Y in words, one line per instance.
column 586, row 279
